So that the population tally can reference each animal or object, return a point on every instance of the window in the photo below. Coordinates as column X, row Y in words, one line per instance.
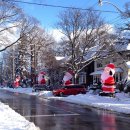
column 107, row 62
column 128, row 57
column 99, row 65
column 118, row 77
column 96, row 78
column 113, row 60
column 82, row 78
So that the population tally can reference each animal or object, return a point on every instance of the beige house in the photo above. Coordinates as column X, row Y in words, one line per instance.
column 122, row 70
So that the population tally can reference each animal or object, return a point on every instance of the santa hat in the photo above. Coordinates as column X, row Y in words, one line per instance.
column 112, row 67
column 43, row 73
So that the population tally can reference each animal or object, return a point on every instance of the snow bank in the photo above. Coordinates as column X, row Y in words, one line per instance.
column 10, row 120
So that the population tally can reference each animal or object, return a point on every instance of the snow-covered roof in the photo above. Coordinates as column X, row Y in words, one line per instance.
column 98, row 72
column 92, row 52
column 61, row 60
column 128, row 64
column 126, row 34
column 122, row 46
column 59, row 57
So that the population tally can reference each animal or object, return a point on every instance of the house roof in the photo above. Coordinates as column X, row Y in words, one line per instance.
column 92, row 52
column 99, row 72
column 122, row 46
column 59, row 57
column 128, row 64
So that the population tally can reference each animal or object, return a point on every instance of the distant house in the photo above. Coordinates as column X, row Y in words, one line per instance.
column 92, row 72
column 84, row 76
column 122, row 70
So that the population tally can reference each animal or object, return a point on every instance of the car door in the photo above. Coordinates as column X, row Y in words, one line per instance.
column 73, row 90
column 68, row 90
column 78, row 89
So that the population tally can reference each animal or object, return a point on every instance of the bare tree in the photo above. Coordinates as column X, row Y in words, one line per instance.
column 32, row 46
column 11, row 17
column 83, row 31
column 126, row 15
column 30, row 39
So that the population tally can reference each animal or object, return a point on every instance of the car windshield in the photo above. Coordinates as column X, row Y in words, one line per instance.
column 63, row 87
column 72, row 86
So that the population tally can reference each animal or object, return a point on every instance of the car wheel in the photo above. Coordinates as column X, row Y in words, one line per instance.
column 54, row 94
column 61, row 94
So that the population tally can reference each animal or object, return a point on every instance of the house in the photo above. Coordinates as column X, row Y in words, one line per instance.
column 84, row 76
column 92, row 71
column 121, row 60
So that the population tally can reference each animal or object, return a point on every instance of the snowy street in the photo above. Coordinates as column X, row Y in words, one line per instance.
column 41, row 108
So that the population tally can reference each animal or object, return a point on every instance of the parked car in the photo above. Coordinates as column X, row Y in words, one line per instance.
column 123, row 86
column 127, row 87
column 39, row 87
column 95, row 88
column 71, row 89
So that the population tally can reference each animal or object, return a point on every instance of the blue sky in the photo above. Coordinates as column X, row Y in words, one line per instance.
column 48, row 16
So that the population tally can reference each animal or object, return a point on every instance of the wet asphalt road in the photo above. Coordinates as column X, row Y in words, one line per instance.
column 58, row 115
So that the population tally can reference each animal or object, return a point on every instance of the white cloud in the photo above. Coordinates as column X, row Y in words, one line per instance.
column 109, row 27
column 56, row 34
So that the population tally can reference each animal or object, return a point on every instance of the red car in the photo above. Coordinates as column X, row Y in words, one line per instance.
column 72, row 89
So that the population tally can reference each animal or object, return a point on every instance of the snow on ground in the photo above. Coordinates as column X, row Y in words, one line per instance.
column 9, row 119
column 119, row 104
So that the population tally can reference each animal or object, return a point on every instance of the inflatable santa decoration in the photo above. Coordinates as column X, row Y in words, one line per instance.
column 41, row 79
column 17, row 81
column 67, row 77
column 107, row 79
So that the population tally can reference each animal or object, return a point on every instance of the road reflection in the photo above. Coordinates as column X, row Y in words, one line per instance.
column 108, row 121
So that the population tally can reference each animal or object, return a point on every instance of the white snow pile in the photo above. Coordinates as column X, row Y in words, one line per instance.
column 29, row 91
column 121, row 103
column 10, row 120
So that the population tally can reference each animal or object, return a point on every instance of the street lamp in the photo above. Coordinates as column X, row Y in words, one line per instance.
column 101, row 3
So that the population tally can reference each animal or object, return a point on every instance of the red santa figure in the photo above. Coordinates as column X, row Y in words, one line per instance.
column 67, row 77
column 41, row 79
column 107, row 79
column 17, row 81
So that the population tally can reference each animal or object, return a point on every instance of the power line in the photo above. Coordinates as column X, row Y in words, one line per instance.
column 116, row 20
column 58, row 6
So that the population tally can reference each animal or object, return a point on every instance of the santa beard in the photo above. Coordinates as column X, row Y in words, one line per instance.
column 67, row 77
column 104, row 76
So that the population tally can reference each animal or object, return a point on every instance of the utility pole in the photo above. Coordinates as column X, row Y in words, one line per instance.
column 1, row 69
column 13, row 76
